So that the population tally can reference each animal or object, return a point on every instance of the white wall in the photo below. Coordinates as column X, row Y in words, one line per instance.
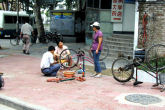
column 128, row 19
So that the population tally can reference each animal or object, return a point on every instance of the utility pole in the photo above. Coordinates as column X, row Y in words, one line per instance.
column 17, row 24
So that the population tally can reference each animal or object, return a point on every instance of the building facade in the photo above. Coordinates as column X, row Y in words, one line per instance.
column 154, row 11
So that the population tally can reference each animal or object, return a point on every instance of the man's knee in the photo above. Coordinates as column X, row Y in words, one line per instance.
column 56, row 66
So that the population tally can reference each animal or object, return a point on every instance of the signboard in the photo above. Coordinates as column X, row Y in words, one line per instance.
column 117, row 10
column 62, row 22
column 63, row 15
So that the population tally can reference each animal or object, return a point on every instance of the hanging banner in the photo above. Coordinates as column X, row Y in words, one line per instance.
column 117, row 10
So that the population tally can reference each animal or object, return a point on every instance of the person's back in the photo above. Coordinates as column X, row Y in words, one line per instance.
column 47, row 59
column 49, row 66
column 26, row 29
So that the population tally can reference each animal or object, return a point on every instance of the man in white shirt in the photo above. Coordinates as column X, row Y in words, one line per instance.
column 26, row 31
column 59, row 48
column 49, row 66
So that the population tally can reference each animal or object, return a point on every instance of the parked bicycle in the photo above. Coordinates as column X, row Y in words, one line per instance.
column 51, row 37
column 17, row 40
column 104, row 52
column 123, row 68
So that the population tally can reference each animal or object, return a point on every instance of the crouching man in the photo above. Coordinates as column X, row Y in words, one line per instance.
column 49, row 66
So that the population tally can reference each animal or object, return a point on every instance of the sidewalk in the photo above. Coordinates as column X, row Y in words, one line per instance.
column 25, row 82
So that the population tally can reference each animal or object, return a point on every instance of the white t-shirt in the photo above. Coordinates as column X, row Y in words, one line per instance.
column 59, row 50
column 47, row 59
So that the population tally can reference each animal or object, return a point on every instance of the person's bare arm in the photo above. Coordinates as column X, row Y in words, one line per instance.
column 100, row 39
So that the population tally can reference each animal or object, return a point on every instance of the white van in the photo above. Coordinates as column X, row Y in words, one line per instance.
column 8, row 21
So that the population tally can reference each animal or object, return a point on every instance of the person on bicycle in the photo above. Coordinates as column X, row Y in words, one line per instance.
column 26, row 31
column 49, row 67
column 96, row 48
column 59, row 48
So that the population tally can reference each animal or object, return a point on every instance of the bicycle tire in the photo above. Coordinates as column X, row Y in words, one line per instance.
column 122, row 70
column 104, row 52
column 155, row 52
column 1, row 82
column 73, row 55
column 15, row 41
column 44, row 39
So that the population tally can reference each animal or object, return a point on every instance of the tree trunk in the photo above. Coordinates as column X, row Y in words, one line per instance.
column 7, row 5
column 3, row 6
column 39, row 23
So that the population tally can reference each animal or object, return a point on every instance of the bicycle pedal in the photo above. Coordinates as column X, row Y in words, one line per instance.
column 137, row 82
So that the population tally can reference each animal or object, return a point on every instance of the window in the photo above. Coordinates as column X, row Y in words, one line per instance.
column 9, row 19
column 106, row 4
column 90, row 3
column 103, row 4
column 13, row 19
column 96, row 3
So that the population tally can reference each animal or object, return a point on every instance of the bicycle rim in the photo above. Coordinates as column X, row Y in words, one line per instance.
column 69, row 61
column 104, row 52
column 156, row 55
column 122, row 70
column 14, row 41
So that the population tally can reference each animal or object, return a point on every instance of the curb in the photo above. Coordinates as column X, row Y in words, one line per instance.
column 18, row 104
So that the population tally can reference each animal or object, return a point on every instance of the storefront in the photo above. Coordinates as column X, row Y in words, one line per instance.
column 115, row 17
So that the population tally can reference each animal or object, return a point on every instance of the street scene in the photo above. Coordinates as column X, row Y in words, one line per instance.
column 82, row 54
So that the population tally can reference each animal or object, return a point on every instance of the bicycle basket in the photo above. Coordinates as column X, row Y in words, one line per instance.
column 162, row 78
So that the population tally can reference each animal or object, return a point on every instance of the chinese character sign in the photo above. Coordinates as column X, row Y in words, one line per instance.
column 117, row 10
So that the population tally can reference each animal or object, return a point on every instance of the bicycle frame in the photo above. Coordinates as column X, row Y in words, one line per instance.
column 145, row 67
column 83, row 58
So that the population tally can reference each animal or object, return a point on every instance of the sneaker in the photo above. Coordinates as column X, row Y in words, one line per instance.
column 93, row 75
column 98, row 75
column 27, row 53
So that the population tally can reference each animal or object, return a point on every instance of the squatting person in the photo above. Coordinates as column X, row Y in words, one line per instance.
column 49, row 67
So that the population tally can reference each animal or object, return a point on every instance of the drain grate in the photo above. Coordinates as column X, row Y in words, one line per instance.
column 143, row 99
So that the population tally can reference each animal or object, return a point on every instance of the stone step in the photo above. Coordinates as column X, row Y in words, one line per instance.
column 126, row 48
column 124, row 36
column 109, row 42
column 3, row 107
column 119, row 39
column 119, row 50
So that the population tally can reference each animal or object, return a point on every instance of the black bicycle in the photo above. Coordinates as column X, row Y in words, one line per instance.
column 123, row 68
column 51, row 37
column 104, row 52
column 18, row 40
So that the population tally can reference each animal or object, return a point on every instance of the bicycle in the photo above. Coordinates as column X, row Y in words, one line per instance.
column 54, row 37
column 18, row 40
column 104, row 52
column 72, row 59
column 123, row 68
column 1, row 81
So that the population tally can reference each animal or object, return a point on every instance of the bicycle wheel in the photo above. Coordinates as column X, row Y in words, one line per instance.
column 1, row 82
column 44, row 39
column 69, row 58
column 156, row 55
column 15, row 41
column 122, row 70
column 104, row 52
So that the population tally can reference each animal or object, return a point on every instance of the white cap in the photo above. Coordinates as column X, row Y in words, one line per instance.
column 95, row 24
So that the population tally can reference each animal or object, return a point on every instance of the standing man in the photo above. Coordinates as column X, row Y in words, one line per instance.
column 26, row 31
column 49, row 66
